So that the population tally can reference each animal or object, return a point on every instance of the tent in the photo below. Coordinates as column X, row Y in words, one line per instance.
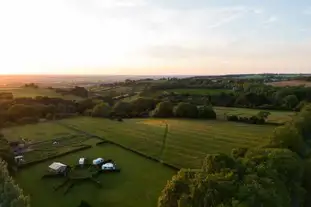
column 108, row 166
column 58, row 167
column 98, row 161
column 82, row 161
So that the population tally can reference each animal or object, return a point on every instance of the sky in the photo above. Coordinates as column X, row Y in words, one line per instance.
column 155, row 37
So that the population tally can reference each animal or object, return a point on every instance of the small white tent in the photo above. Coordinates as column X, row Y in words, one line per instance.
column 98, row 161
column 108, row 166
column 57, row 167
column 82, row 161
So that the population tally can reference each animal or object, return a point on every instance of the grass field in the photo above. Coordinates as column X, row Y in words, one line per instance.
column 137, row 185
column 37, row 132
column 199, row 91
column 188, row 141
column 290, row 83
column 31, row 92
column 275, row 117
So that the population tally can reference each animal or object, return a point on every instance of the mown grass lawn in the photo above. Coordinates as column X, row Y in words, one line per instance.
column 187, row 143
column 32, row 92
column 275, row 117
column 137, row 185
column 199, row 91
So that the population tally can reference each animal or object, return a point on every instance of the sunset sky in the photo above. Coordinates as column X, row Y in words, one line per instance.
column 154, row 37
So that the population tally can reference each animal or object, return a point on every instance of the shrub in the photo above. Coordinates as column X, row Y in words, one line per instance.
column 163, row 109
column 11, row 194
column 49, row 116
column 28, row 120
column 122, row 108
column 186, row 110
column 207, row 112
column 101, row 110
column 232, row 118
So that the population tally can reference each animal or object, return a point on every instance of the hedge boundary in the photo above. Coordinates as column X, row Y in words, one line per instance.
column 84, row 147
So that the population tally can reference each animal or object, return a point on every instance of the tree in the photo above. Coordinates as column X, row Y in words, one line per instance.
column 143, row 104
column 291, row 101
column 288, row 136
column 10, row 193
column 186, row 110
column 263, row 114
column 207, row 112
column 101, row 110
column 18, row 111
column 122, row 108
column 6, row 153
column 163, row 109
column 79, row 91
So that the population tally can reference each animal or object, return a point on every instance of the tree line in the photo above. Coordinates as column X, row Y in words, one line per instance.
column 11, row 195
column 277, row 174
column 249, row 96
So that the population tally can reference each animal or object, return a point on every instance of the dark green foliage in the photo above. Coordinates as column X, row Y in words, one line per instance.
column 249, row 120
column 143, row 104
column 207, row 112
column 6, row 95
column 186, row 110
column 10, row 193
column 288, row 136
column 267, row 176
column 28, row 120
column 18, row 111
column 6, row 153
column 163, row 109
column 122, row 108
column 238, row 152
column 291, row 101
column 262, row 178
column 101, row 110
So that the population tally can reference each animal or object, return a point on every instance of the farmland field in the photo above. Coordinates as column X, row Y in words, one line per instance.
column 290, row 83
column 134, row 186
column 198, row 91
column 31, row 92
column 275, row 117
column 37, row 132
column 188, row 141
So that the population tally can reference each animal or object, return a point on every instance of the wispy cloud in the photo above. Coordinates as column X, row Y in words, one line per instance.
column 119, row 3
column 271, row 19
column 307, row 11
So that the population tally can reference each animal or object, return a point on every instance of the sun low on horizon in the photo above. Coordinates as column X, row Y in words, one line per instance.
column 154, row 37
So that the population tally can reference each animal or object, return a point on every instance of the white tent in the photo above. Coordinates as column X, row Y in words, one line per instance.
column 81, row 161
column 108, row 166
column 98, row 161
column 57, row 167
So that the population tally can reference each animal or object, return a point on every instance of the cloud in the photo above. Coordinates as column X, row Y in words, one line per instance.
column 271, row 19
column 258, row 11
column 307, row 11
column 118, row 3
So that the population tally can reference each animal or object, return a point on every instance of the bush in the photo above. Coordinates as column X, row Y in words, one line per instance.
column 163, row 109
column 122, row 108
column 49, row 116
column 28, row 120
column 232, row 118
column 11, row 194
column 186, row 110
column 143, row 104
column 101, row 110
column 207, row 112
